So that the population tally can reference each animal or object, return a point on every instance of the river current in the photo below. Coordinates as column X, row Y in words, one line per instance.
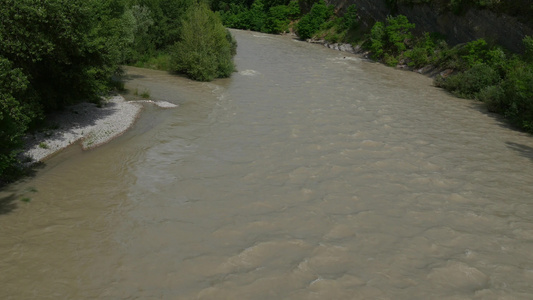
column 309, row 174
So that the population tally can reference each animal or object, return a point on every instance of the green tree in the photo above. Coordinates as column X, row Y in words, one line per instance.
column 257, row 15
column 204, row 51
column 54, row 53
column 391, row 38
column 13, row 114
column 142, row 45
column 68, row 49
column 528, row 53
column 377, row 40
column 294, row 10
column 167, row 16
column 398, row 33
column 350, row 18
column 277, row 20
column 311, row 22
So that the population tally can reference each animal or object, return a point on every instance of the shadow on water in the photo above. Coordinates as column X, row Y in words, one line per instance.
column 129, row 76
column 500, row 119
column 523, row 150
column 8, row 204
column 8, row 199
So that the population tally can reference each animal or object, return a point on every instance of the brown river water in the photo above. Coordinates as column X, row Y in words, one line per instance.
column 310, row 174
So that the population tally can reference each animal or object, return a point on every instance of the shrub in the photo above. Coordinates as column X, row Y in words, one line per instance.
column 475, row 52
column 236, row 16
column 294, row 10
column 517, row 105
column 479, row 52
column 398, row 34
column 420, row 56
column 13, row 114
column 528, row 53
column 466, row 56
column 494, row 98
column 391, row 38
column 422, row 53
column 377, row 40
column 469, row 83
column 205, row 51
column 265, row 16
column 390, row 60
column 350, row 18
column 257, row 16
column 310, row 23
column 277, row 20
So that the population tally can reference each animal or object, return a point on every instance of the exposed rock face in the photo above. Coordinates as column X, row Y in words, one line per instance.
column 473, row 24
column 369, row 11
column 342, row 47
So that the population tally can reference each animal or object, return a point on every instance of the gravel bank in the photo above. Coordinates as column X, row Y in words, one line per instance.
column 84, row 122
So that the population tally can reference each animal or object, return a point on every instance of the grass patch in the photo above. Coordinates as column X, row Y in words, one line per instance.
column 31, row 189
column 145, row 94
column 160, row 61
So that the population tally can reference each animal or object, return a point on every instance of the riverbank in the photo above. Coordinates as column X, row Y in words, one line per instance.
column 89, row 124
column 428, row 70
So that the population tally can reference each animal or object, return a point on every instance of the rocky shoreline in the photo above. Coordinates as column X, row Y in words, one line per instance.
column 429, row 70
column 87, row 123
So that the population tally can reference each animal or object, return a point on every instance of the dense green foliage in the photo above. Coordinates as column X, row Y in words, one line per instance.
column 57, row 52
column 311, row 22
column 469, row 83
column 205, row 49
column 278, row 16
column 389, row 39
column 156, row 25
column 159, row 27
column 67, row 49
column 503, row 81
column 339, row 28
column 54, row 53
column 13, row 116
column 261, row 15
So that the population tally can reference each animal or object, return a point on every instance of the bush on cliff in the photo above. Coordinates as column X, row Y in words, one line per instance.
column 310, row 23
column 513, row 96
column 280, row 16
column 206, row 49
column 503, row 82
column 426, row 50
column 390, row 39
column 468, row 84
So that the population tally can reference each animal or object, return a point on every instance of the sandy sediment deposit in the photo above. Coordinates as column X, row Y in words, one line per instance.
column 85, row 122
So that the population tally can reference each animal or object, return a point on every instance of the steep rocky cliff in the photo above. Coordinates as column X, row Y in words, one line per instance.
column 471, row 24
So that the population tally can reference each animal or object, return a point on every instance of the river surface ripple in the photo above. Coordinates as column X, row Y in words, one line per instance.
column 310, row 174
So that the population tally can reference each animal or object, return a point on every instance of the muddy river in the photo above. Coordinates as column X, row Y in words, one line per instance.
column 309, row 174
